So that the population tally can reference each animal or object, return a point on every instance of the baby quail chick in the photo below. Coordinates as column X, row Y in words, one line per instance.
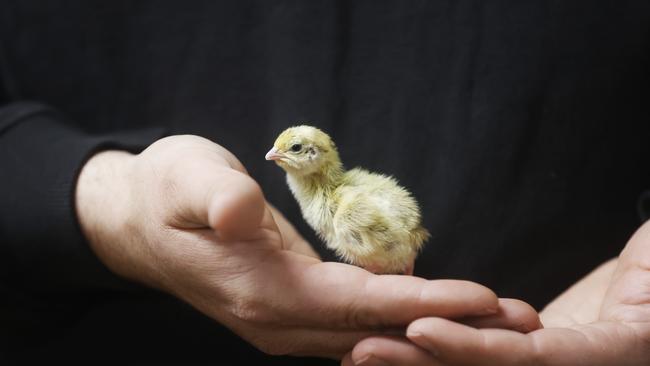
column 366, row 218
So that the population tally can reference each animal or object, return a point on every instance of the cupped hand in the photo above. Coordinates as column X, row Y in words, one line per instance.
column 185, row 217
column 603, row 320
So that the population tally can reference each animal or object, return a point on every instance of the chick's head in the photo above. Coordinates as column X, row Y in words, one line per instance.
column 304, row 150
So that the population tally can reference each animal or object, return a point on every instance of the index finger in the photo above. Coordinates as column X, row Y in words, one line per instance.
column 341, row 296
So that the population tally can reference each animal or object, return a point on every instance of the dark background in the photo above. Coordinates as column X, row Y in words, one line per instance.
column 521, row 128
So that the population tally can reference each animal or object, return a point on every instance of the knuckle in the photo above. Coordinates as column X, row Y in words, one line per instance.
column 536, row 356
column 244, row 311
column 357, row 318
column 250, row 310
column 358, row 314
column 169, row 187
column 353, row 319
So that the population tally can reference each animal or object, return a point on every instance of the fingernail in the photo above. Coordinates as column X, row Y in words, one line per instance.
column 371, row 360
column 422, row 341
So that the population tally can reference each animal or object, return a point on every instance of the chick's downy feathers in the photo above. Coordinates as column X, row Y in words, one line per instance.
column 366, row 218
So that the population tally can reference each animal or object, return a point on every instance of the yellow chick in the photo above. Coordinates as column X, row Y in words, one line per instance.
column 366, row 218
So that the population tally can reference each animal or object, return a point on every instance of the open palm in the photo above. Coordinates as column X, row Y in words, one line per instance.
column 602, row 320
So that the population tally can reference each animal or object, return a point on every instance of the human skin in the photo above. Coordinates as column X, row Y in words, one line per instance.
column 603, row 320
column 184, row 217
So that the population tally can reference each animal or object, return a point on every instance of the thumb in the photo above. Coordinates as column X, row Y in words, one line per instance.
column 236, row 205
column 224, row 199
column 630, row 284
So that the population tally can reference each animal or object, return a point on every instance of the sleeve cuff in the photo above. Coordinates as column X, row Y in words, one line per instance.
column 43, row 248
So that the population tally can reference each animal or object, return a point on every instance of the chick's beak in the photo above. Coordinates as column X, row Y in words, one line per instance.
column 274, row 154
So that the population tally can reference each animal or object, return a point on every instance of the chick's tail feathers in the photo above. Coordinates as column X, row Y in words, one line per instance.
column 418, row 237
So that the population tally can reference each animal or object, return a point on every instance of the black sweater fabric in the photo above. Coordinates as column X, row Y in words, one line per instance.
column 520, row 126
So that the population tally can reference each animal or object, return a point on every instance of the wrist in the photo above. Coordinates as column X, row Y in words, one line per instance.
column 102, row 200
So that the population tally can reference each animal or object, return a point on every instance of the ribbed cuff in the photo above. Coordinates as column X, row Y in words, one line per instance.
column 42, row 247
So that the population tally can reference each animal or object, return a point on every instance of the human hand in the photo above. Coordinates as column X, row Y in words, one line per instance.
column 184, row 217
column 602, row 320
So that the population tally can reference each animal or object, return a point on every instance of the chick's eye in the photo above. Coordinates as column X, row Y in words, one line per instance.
column 296, row 147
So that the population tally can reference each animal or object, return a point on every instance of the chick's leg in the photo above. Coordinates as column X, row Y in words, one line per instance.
column 374, row 268
column 409, row 269
column 378, row 269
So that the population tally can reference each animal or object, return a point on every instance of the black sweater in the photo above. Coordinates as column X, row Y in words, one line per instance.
column 521, row 127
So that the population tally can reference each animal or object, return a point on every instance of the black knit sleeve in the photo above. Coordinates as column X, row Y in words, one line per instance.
column 42, row 249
